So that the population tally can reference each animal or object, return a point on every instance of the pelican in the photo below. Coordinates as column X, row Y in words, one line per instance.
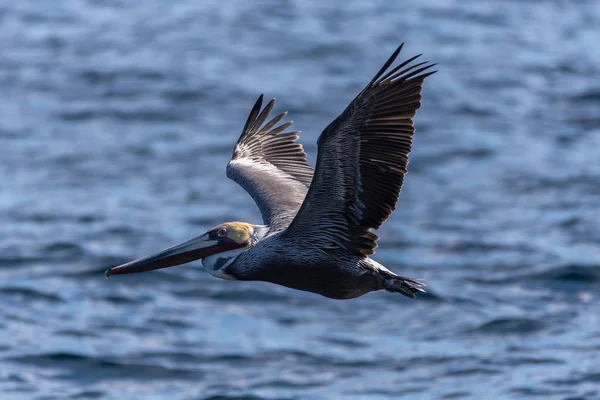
column 317, row 226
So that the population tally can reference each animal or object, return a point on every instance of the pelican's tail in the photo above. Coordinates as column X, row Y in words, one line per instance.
column 406, row 286
column 394, row 283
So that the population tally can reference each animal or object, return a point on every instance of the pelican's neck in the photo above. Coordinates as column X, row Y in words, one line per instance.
column 218, row 264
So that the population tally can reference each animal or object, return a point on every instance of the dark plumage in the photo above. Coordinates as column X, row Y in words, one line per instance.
column 317, row 233
column 362, row 159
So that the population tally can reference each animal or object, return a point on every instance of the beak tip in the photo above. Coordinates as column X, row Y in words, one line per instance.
column 107, row 273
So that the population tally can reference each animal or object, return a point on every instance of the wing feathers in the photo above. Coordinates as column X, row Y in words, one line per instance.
column 362, row 160
column 269, row 164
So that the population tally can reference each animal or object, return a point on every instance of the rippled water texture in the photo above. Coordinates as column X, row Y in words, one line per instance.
column 117, row 120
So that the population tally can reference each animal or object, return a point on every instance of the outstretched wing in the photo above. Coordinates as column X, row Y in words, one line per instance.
column 361, row 163
column 269, row 164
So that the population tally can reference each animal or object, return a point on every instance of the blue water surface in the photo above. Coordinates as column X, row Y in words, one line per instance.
column 117, row 118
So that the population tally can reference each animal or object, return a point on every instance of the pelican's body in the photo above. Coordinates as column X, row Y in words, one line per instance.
column 317, row 226
column 334, row 274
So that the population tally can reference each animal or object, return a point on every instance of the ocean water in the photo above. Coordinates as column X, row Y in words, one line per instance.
column 117, row 119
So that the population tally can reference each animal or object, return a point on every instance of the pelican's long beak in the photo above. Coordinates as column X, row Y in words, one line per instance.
column 194, row 249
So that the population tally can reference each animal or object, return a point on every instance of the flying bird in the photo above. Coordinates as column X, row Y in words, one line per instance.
column 317, row 232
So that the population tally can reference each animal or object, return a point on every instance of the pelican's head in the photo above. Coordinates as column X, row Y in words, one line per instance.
column 217, row 248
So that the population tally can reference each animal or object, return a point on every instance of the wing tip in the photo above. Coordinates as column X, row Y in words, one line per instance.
column 386, row 65
column 397, row 72
column 253, row 114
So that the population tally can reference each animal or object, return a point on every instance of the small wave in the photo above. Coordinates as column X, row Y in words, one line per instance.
column 389, row 394
column 13, row 261
column 426, row 361
column 87, row 395
column 472, row 371
column 525, row 361
column 590, row 95
column 572, row 272
column 224, row 292
column 97, row 77
column 344, row 342
column 76, row 333
column 241, row 397
column 203, row 222
column 170, row 323
column 62, row 250
column 576, row 379
column 474, row 110
column 536, row 391
column 430, row 295
column 502, row 326
column 171, row 357
column 41, row 217
column 456, row 395
column 29, row 294
column 147, row 115
column 120, row 300
column 249, row 295
column 184, row 95
column 90, row 368
column 297, row 383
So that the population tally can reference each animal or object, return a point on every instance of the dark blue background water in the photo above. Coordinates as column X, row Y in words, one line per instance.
column 117, row 119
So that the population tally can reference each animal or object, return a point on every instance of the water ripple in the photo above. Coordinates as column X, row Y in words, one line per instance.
column 100, row 369
column 118, row 121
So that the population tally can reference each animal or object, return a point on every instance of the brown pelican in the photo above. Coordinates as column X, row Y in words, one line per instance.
column 317, row 232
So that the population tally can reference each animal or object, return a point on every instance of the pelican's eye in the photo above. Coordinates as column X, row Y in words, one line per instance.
column 222, row 232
